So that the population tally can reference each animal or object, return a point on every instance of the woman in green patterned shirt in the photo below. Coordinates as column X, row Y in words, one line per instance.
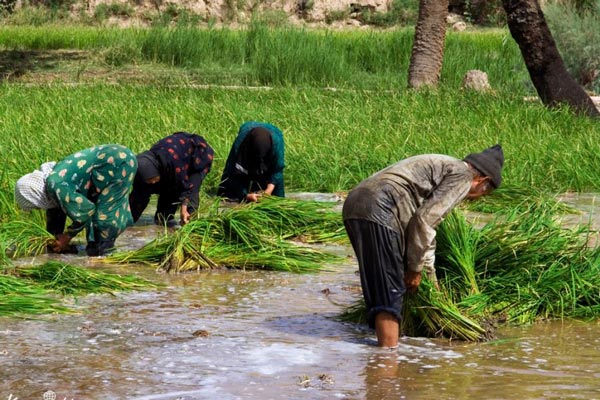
column 91, row 187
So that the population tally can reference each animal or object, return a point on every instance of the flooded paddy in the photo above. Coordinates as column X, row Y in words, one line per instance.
column 273, row 335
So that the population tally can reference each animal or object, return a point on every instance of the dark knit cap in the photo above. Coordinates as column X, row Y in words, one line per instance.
column 489, row 163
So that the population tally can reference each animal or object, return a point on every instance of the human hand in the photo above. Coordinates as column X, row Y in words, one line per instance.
column 412, row 280
column 184, row 215
column 61, row 243
column 252, row 197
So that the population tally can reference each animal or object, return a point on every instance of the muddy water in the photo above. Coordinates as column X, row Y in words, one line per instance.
column 272, row 335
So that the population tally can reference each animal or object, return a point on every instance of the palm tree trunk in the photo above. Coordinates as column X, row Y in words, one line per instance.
column 546, row 68
column 428, row 46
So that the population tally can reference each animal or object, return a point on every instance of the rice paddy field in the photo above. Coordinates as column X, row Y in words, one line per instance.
column 162, row 318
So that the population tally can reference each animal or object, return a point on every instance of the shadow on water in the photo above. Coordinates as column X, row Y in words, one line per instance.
column 272, row 335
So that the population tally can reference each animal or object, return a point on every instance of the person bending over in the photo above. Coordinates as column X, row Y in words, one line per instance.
column 174, row 168
column 91, row 187
column 391, row 218
column 255, row 164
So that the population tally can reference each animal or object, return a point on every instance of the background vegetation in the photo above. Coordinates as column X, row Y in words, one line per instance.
column 574, row 24
column 339, row 96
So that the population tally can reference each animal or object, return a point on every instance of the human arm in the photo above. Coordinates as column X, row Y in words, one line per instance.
column 192, row 175
column 190, row 198
column 278, row 162
column 269, row 189
column 184, row 214
column 412, row 280
column 421, row 228
column 61, row 243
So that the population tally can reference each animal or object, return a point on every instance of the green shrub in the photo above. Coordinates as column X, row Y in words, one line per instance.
column 174, row 15
column 336, row 15
column 104, row 11
column 271, row 18
column 7, row 6
column 485, row 12
column 402, row 12
column 577, row 35
column 35, row 16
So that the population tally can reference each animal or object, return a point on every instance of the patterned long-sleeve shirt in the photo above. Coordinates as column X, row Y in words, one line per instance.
column 412, row 197
column 185, row 159
column 92, row 187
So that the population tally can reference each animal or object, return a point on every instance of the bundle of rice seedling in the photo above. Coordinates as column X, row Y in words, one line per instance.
column 71, row 280
column 430, row 313
column 19, row 298
column 515, row 198
column 256, row 235
column 457, row 243
column 309, row 221
column 26, row 290
column 24, row 238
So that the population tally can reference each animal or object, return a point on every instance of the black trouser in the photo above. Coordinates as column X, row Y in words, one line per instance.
column 168, row 201
column 55, row 220
column 55, row 224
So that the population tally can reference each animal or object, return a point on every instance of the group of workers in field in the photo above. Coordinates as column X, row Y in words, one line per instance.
column 391, row 217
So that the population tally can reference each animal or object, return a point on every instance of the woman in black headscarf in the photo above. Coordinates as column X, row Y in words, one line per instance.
column 173, row 168
column 255, row 164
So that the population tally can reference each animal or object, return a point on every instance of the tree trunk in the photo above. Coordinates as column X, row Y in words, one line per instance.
column 428, row 46
column 548, row 73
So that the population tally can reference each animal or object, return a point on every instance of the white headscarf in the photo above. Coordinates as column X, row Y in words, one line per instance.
column 30, row 190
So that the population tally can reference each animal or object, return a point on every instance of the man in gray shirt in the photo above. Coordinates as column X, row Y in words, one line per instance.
column 391, row 219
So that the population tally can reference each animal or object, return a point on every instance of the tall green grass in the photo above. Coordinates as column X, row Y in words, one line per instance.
column 259, row 55
column 334, row 139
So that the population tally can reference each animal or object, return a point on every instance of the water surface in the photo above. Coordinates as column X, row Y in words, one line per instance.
column 273, row 335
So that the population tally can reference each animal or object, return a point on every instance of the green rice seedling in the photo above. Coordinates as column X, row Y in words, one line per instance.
column 10, row 284
column 458, row 241
column 432, row 313
column 310, row 221
column 24, row 238
column 428, row 312
column 17, row 305
column 527, row 237
column 71, row 280
column 513, row 197
column 19, row 298
column 255, row 235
